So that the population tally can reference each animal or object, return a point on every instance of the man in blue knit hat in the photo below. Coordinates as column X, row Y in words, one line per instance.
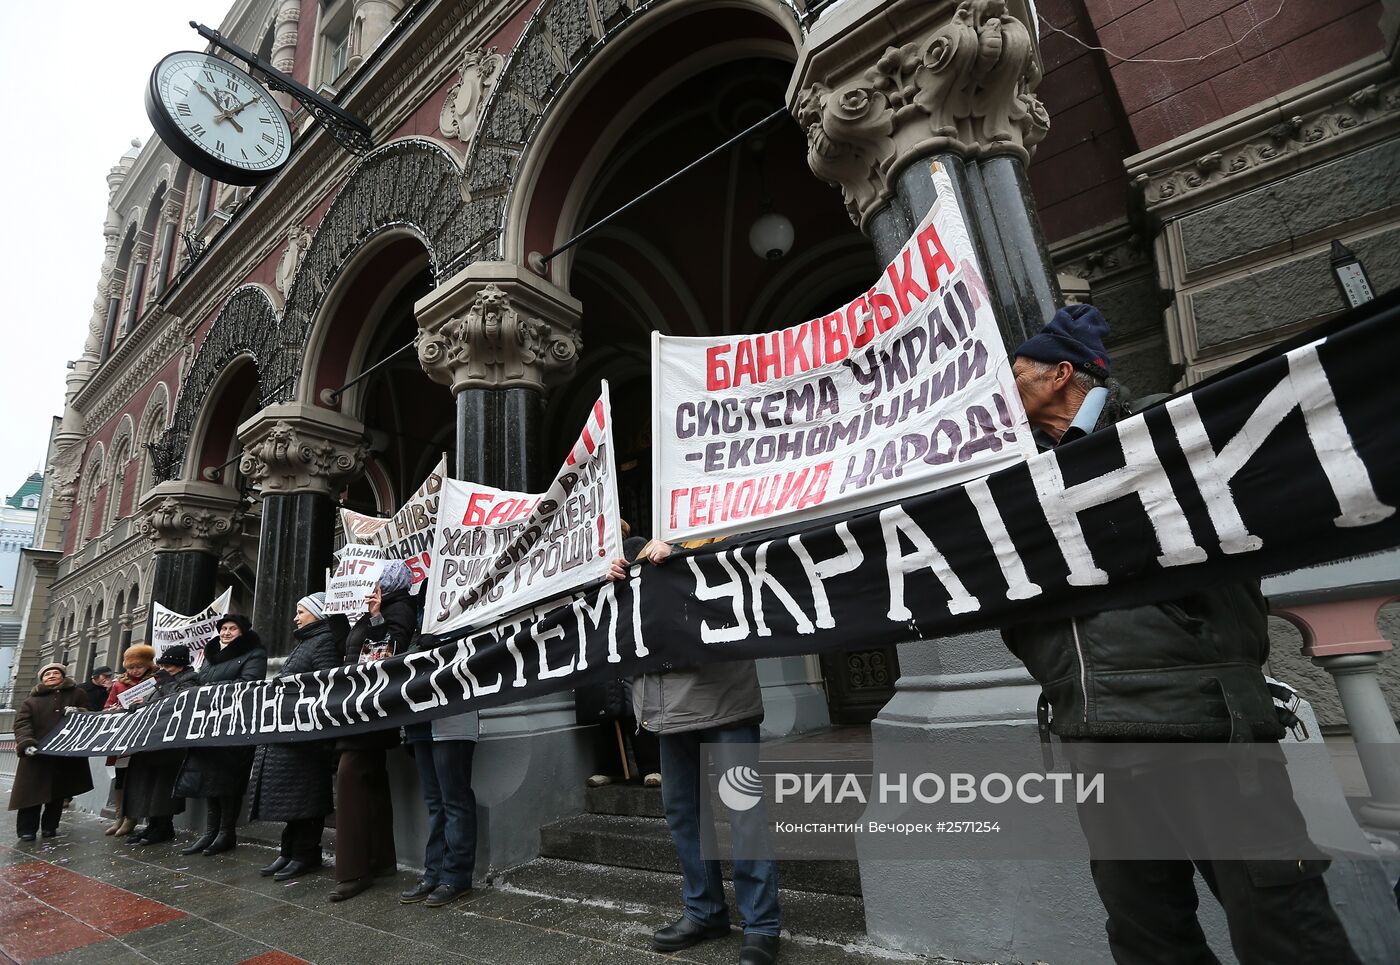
column 1183, row 670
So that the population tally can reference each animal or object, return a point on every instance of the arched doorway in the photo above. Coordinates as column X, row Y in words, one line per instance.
column 681, row 262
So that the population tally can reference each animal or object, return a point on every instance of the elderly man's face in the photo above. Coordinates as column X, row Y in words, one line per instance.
column 1046, row 394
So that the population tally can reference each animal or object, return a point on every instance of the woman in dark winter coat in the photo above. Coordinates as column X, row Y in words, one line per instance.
column 150, row 780
column 219, row 775
column 291, row 782
column 42, row 782
column 364, row 814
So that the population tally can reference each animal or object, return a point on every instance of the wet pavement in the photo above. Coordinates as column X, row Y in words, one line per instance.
column 84, row 898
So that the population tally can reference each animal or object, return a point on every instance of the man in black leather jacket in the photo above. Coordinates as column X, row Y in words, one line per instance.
column 1186, row 669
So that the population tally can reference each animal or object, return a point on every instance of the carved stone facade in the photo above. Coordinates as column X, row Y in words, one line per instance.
column 462, row 110
column 190, row 516
column 298, row 448
column 962, row 82
column 298, row 240
column 496, row 325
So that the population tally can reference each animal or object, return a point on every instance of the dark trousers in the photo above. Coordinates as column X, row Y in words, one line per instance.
column 445, row 774
column 364, row 816
column 1277, row 914
column 683, row 782
column 301, row 840
column 221, row 813
column 29, row 821
column 641, row 747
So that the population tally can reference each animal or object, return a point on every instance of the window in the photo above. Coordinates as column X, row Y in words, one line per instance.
column 339, row 55
column 31, row 502
column 334, row 41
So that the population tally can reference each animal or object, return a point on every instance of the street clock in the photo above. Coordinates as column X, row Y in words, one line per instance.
column 217, row 118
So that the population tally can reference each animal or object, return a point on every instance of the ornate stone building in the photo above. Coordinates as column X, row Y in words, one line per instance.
column 257, row 357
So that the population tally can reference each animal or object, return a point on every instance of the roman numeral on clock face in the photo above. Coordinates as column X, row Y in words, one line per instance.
column 197, row 130
column 269, row 139
column 219, row 146
column 183, row 109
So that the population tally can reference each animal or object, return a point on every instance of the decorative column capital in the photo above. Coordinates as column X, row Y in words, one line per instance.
column 498, row 325
column 299, row 448
column 959, row 79
column 183, row 515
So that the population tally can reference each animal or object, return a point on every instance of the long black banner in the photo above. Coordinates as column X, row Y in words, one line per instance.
column 1290, row 461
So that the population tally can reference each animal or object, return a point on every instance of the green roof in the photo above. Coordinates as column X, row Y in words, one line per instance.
column 33, row 486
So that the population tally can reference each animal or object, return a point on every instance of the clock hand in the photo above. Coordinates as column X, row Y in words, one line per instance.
column 212, row 99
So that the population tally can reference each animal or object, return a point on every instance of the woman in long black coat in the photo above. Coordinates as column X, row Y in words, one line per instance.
column 364, row 813
column 42, row 782
column 150, row 779
column 219, row 775
column 291, row 782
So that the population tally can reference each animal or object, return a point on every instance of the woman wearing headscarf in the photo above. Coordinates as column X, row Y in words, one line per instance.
column 41, row 782
column 291, row 782
column 150, row 780
column 364, row 814
column 219, row 775
column 138, row 663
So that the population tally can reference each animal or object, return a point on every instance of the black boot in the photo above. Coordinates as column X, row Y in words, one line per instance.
column 226, row 839
column 276, row 866
column 158, row 831
column 211, row 827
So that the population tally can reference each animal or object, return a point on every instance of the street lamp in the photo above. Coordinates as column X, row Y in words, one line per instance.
column 1351, row 276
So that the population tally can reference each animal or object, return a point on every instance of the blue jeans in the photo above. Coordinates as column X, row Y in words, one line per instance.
column 683, row 781
column 445, row 774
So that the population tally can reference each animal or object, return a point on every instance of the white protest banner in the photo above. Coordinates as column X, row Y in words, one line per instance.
column 498, row 552
column 169, row 628
column 356, row 570
column 408, row 534
column 906, row 389
column 137, row 694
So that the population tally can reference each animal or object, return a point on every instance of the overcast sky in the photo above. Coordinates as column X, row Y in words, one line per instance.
column 72, row 74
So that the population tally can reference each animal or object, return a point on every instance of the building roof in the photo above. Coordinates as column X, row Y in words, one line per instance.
column 33, row 486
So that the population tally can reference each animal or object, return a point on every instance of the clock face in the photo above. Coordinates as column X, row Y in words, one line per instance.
column 216, row 117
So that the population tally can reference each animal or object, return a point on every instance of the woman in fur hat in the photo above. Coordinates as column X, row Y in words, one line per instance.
column 219, row 775
column 150, row 780
column 138, row 663
column 42, row 782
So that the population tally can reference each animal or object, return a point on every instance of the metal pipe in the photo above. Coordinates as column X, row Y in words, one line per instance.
column 737, row 138
column 332, row 396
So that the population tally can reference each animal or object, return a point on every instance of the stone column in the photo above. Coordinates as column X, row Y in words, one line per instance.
column 140, row 257
column 1341, row 637
column 299, row 457
column 285, row 26
column 189, row 523
column 370, row 23
column 170, row 226
column 886, row 90
column 497, row 335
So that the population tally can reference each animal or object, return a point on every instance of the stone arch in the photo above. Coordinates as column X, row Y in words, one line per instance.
column 92, row 483
column 122, row 449
column 247, row 326
column 558, row 44
column 153, row 422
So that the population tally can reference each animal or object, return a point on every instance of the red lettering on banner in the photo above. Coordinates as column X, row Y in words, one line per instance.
column 699, row 502
column 837, row 346
column 588, row 442
column 862, row 330
column 794, row 351
column 883, row 308
column 716, row 368
column 743, row 363
column 676, row 496
column 770, row 358
column 476, row 509
column 906, row 287
column 935, row 256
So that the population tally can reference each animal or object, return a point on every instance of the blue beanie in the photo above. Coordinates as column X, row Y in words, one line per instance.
column 1075, row 335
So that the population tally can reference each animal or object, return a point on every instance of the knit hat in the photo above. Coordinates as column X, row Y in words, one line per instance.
column 139, row 653
column 177, row 654
column 314, row 604
column 1075, row 335
column 99, row 671
column 394, row 576
column 52, row 666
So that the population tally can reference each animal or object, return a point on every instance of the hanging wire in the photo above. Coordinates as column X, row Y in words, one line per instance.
column 1178, row 60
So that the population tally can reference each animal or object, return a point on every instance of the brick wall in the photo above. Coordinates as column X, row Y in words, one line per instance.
column 1077, row 172
column 1163, row 101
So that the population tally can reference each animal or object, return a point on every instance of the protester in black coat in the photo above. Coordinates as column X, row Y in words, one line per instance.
column 150, row 780
column 1185, row 669
column 291, row 782
column 42, row 782
column 219, row 775
column 95, row 690
column 364, row 813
